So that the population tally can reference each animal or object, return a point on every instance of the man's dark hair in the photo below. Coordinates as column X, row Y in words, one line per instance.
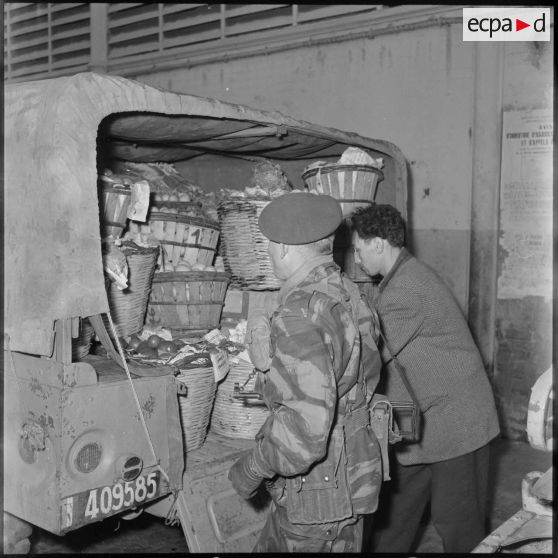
column 379, row 220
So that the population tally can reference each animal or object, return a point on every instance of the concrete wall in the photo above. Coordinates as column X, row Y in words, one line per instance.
column 412, row 89
column 523, row 310
column 440, row 100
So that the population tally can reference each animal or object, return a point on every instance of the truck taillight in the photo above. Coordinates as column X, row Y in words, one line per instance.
column 130, row 468
column 88, row 458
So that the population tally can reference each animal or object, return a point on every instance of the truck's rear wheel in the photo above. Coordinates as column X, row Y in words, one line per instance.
column 16, row 535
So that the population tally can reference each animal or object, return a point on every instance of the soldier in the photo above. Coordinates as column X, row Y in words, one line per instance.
column 316, row 451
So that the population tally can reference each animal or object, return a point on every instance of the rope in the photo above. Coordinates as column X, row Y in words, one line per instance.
column 121, row 353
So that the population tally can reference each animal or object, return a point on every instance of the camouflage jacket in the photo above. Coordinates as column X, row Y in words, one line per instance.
column 316, row 443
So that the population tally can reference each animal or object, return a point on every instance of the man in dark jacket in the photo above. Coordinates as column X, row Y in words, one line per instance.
column 427, row 332
column 320, row 459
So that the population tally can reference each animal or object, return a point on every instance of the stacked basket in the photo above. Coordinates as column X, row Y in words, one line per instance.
column 243, row 246
column 187, row 301
column 185, row 239
column 186, row 298
column 352, row 185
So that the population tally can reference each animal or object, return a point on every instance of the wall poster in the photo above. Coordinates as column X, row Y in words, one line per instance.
column 525, row 240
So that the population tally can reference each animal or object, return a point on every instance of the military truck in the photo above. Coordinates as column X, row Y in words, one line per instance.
column 93, row 437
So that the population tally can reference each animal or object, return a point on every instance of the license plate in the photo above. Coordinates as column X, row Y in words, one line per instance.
column 98, row 503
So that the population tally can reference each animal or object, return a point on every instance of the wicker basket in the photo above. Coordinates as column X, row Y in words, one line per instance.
column 243, row 246
column 185, row 238
column 189, row 300
column 116, row 201
column 82, row 344
column 128, row 306
column 352, row 185
column 231, row 417
column 197, row 404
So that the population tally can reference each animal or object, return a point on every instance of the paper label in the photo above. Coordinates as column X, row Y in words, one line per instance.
column 221, row 364
column 139, row 203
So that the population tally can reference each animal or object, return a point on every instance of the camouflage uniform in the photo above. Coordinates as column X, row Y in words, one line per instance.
column 317, row 445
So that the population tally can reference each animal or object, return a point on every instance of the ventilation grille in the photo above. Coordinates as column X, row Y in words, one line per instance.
column 88, row 458
column 46, row 39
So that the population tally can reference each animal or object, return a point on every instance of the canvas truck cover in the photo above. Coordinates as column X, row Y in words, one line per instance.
column 52, row 254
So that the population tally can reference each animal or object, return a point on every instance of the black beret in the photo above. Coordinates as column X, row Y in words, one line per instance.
column 300, row 218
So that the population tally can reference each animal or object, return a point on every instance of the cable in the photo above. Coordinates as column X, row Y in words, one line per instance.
column 125, row 364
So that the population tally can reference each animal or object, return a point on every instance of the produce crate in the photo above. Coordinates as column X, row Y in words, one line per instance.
column 184, row 238
column 352, row 185
column 243, row 246
column 189, row 300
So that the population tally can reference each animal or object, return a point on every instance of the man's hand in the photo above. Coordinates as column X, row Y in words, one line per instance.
column 244, row 478
column 258, row 342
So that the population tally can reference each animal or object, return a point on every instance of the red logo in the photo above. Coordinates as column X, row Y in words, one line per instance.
column 519, row 24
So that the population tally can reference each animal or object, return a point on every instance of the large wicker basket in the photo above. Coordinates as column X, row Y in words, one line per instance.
column 185, row 238
column 128, row 306
column 115, row 203
column 189, row 300
column 243, row 246
column 352, row 185
column 197, row 404
column 233, row 418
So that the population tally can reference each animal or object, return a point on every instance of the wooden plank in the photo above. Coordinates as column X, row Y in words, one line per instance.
column 73, row 62
column 29, row 56
column 66, row 6
column 40, row 26
column 134, row 35
column 19, row 44
column 28, row 15
column 140, row 17
column 114, row 7
column 192, row 21
column 72, row 46
column 175, row 8
column 31, row 70
column 82, row 17
column 308, row 13
column 120, row 52
column 254, row 27
column 191, row 38
column 71, row 33
column 232, row 10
